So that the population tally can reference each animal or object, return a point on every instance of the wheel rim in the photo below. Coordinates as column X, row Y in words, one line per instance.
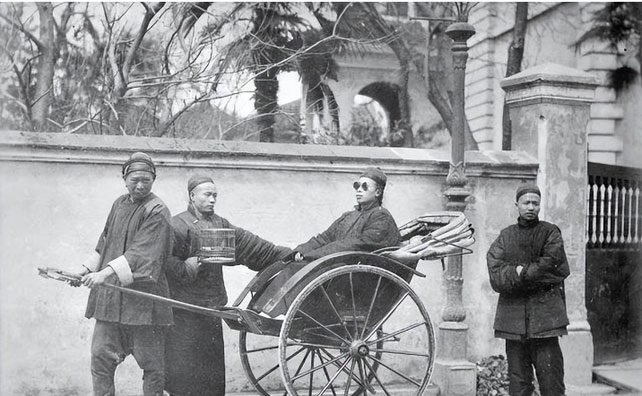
column 342, row 318
column 260, row 361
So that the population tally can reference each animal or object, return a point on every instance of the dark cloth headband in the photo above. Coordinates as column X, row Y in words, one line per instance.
column 525, row 189
column 139, row 162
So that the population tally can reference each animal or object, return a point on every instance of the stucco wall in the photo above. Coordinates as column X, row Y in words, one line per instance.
column 630, row 127
column 551, row 31
column 57, row 190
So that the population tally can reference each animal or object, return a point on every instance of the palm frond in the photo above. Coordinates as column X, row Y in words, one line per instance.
column 614, row 23
column 622, row 78
column 237, row 54
column 600, row 32
column 215, row 27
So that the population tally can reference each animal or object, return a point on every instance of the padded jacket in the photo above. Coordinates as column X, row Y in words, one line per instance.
column 533, row 303
column 363, row 229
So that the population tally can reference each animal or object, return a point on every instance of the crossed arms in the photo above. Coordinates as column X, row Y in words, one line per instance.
column 547, row 270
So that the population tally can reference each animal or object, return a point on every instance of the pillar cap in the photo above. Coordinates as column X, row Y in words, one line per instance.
column 552, row 83
column 550, row 73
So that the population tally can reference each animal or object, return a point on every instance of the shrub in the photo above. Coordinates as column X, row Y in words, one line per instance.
column 492, row 376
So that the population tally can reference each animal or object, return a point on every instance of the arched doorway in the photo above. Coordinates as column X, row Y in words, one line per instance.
column 375, row 114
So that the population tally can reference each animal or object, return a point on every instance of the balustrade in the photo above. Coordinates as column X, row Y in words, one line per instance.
column 613, row 209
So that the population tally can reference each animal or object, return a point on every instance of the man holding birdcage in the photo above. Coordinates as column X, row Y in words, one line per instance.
column 195, row 360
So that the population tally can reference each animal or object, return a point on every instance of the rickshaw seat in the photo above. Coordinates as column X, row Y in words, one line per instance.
column 278, row 303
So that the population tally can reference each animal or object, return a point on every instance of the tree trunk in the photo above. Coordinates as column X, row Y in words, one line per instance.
column 266, row 84
column 438, row 86
column 403, row 56
column 314, row 106
column 305, row 123
column 441, row 102
column 333, row 109
column 45, row 68
column 514, row 65
column 638, row 56
column 265, row 103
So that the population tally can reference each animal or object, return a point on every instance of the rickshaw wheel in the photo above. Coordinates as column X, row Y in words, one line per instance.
column 350, row 318
column 270, row 346
column 245, row 352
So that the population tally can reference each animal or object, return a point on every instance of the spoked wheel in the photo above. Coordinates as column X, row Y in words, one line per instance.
column 365, row 331
column 260, row 360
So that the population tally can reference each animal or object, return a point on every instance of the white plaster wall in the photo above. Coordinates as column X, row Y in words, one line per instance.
column 56, row 193
column 630, row 126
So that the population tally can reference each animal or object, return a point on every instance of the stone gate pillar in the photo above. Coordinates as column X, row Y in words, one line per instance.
column 549, row 111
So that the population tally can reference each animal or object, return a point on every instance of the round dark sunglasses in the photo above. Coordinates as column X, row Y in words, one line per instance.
column 356, row 185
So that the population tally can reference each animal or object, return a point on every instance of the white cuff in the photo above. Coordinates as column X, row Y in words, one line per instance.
column 122, row 270
column 92, row 263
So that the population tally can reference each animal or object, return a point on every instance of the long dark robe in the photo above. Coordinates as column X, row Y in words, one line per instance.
column 194, row 353
column 141, row 232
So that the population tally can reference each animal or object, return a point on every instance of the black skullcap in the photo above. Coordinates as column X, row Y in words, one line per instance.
column 375, row 174
column 525, row 189
column 197, row 180
column 139, row 161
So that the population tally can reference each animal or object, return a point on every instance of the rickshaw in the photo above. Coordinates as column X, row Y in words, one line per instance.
column 346, row 324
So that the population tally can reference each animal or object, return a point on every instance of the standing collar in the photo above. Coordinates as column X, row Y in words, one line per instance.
column 142, row 200
column 367, row 207
column 522, row 222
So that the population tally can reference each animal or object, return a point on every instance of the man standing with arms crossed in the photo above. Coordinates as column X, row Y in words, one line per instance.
column 131, row 252
column 527, row 266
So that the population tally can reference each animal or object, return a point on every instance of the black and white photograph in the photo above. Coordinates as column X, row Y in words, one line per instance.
column 320, row 198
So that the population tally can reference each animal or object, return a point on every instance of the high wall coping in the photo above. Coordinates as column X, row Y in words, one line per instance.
column 109, row 149
column 550, row 73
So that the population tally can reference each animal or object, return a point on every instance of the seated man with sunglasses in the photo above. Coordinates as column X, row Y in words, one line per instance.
column 366, row 228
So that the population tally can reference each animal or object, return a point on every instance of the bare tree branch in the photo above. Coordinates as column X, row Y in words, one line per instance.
column 24, row 31
column 150, row 12
column 88, row 24
column 162, row 130
column 46, row 64
column 25, row 100
column 61, row 28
